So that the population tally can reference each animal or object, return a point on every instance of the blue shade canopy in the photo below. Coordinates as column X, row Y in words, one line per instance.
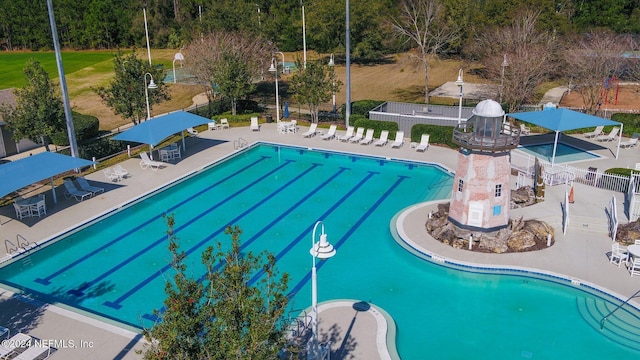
column 154, row 131
column 561, row 119
column 26, row 171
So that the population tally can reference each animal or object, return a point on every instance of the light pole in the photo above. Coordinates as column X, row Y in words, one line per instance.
column 504, row 64
column 146, row 32
column 281, row 54
column 332, row 63
column 179, row 57
column 274, row 68
column 459, row 82
column 152, row 85
column 321, row 250
column 304, row 39
column 347, row 111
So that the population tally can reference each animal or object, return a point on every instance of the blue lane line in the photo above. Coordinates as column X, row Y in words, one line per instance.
column 154, row 317
column 344, row 238
column 47, row 280
column 85, row 285
column 116, row 304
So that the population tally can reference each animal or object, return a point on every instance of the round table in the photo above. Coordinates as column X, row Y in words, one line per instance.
column 634, row 250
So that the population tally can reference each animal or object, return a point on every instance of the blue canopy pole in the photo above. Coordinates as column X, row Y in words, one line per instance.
column 555, row 145
column 184, row 146
column 53, row 191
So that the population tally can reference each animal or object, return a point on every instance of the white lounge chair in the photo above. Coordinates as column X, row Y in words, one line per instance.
column 10, row 345
column 384, row 138
column 254, row 124
column 331, row 133
column 146, row 162
column 72, row 191
column 633, row 141
column 312, row 130
column 348, row 135
column 399, row 141
column 120, row 171
column 111, row 175
column 594, row 133
column 224, row 123
column 358, row 136
column 618, row 255
column 610, row 137
column 524, row 130
column 424, row 143
column 368, row 138
column 192, row 132
column 84, row 185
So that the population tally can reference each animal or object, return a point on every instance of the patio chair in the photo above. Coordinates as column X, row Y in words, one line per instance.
column 594, row 133
column 397, row 143
column 618, row 255
column 348, row 135
column 633, row 141
column 84, row 185
column 39, row 208
column 358, row 136
column 110, row 174
column 331, row 133
column 146, row 162
column 22, row 211
column 368, row 138
column 634, row 267
column 384, row 138
column 610, row 137
column 524, row 130
column 192, row 132
column 224, row 123
column 424, row 143
column 72, row 191
column 120, row 171
column 312, row 130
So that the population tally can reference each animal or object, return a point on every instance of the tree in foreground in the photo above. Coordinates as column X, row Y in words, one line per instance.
column 227, row 315
column 38, row 113
column 314, row 85
column 126, row 94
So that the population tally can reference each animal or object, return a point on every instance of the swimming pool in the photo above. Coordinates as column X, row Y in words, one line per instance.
column 564, row 153
column 117, row 266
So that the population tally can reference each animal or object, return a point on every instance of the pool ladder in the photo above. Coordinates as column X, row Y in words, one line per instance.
column 240, row 143
column 21, row 243
column 616, row 309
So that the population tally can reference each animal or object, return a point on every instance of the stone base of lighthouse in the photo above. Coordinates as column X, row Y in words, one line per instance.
column 481, row 191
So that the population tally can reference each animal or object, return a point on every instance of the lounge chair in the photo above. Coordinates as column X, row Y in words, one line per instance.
column 594, row 133
column 331, row 133
column 312, row 130
column 224, row 123
column 8, row 347
column 384, row 138
column 348, row 135
column 399, row 140
column 633, row 141
column 254, row 124
column 84, row 185
column 524, row 130
column 368, row 138
column 424, row 143
column 358, row 136
column 120, row 171
column 72, row 191
column 610, row 137
column 146, row 162
column 111, row 175
column 23, row 347
column 192, row 132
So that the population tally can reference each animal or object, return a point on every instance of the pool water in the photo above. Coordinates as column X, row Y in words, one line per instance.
column 564, row 153
column 117, row 267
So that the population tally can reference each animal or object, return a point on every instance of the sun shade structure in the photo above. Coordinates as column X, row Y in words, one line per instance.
column 26, row 171
column 154, row 131
column 560, row 120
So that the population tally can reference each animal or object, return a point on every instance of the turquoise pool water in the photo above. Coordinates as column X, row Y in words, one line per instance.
column 117, row 267
column 564, row 153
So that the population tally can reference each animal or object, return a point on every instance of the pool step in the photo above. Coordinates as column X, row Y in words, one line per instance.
column 623, row 326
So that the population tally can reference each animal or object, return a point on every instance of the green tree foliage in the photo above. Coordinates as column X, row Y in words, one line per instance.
column 38, row 113
column 314, row 85
column 225, row 316
column 126, row 93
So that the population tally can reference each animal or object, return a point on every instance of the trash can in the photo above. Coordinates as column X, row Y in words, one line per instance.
column 269, row 118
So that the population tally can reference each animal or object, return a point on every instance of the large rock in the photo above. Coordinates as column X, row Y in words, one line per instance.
column 522, row 197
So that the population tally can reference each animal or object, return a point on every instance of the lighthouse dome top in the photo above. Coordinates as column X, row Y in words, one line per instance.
column 488, row 108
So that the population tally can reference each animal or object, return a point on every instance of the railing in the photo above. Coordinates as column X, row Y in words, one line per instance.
column 468, row 138
column 616, row 309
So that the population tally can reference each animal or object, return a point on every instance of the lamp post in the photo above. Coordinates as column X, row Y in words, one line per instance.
column 459, row 82
column 146, row 32
column 179, row 57
column 504, row 64
column 332, row 63
column 321, row 250
column 152, row 85
column 274, row 68
column 347, row 111
column 304, row 39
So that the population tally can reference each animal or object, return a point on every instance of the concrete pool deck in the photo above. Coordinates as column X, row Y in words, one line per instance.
column 580, row 254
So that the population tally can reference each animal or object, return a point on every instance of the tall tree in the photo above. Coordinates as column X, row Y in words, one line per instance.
column 38, row 113
column 127, row 93
column 226, row 316
column 423, row 23
column 314, row 85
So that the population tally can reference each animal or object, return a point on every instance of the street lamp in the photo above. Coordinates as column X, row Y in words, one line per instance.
column 274, row 68
column 146, row 32
column 332, row 63
column 152, row 85
column 179, row 57
column 304, row 39
column 321, row 250
column 504, row 64
column 459, row 83
column 347, row 111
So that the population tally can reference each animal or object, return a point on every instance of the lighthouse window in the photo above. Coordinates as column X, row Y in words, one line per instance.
column 497, row 210
column 460, row 184
column 498, row 190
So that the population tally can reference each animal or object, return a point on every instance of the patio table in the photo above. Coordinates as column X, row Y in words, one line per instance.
column 634, row 250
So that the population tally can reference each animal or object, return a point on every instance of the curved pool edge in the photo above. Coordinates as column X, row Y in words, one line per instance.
column 398, row 227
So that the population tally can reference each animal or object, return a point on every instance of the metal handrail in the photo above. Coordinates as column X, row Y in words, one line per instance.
column 616, row 309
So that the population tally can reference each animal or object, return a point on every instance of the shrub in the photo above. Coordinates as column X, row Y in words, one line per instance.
column 376, row 125
column 85, row 127
column 437, row 134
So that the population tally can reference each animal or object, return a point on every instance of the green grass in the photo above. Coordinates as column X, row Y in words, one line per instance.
column 13, row 63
